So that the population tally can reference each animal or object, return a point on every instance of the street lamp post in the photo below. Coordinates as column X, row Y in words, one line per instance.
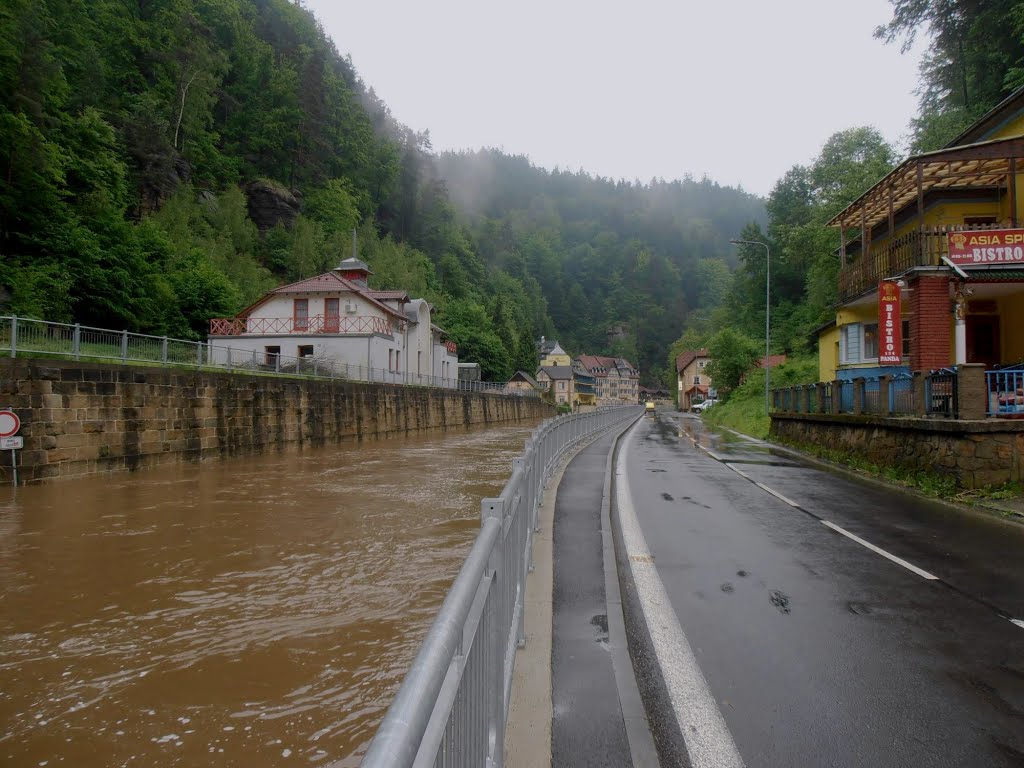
column 767, row 314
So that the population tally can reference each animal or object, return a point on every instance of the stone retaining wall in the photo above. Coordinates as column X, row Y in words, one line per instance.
column 80, row 418
column 975, row 453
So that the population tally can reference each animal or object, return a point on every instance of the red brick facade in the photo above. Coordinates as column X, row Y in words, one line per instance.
column 931, row 322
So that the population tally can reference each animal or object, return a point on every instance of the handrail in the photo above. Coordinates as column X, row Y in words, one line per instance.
column 468, row 654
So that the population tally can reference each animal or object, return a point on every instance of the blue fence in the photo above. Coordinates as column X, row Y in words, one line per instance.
column 1005, row 391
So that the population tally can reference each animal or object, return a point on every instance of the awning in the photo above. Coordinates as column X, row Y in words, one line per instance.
column 985, row 165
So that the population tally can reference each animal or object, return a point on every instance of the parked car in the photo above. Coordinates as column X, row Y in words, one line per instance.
column 703, row 406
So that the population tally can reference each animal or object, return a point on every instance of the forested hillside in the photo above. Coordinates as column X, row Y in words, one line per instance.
column 166, row 161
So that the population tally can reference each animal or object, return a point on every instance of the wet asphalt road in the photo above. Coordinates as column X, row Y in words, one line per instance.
column 818, row 650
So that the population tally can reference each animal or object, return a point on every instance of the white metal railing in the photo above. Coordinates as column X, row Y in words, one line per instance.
column 19, row 336
column 451, row 708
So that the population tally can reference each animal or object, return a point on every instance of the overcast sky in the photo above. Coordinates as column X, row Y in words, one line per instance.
column 739, row 90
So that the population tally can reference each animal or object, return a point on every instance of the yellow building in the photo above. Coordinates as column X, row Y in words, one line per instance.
column 556, row 356
column 941, row 235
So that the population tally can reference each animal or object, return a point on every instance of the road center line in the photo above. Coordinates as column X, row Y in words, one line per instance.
column 708, row 740
column 898, row 560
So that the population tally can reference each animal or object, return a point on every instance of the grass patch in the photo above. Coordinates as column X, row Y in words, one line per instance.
column 744, row 409
column 929, row 483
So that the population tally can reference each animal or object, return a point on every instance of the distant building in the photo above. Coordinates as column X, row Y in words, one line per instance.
column 522, row 382
column 584, row 384
column 557, row 379
column 555, row 355
column 616, row 380
column 338, row 319
column 692, row 380
column 469, row 372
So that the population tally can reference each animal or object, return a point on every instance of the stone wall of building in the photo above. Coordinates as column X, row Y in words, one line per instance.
column 80, row 418
column 975, row 453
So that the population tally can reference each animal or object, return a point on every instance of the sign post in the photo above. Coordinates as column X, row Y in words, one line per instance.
column 9, row 426
column 890, row 328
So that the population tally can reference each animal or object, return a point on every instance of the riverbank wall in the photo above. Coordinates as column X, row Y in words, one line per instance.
column 84, row 418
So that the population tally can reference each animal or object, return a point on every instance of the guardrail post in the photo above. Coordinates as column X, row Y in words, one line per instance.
column 230, row 365
column 277, row 363
column 163, row 351
column 76, row 341
column 495, row 609
column 124, row 346
column 14, row 336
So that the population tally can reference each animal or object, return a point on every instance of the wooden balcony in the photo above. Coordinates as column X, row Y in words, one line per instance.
column 924, row 248
column 299, row 326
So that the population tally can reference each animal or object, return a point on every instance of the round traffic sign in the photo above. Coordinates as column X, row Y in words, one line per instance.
column 9, row 423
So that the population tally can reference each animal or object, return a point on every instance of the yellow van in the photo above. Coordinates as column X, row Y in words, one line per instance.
column 649, row 408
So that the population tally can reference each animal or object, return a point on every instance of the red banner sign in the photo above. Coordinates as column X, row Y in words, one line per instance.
column 984, row 247
column 890, row 330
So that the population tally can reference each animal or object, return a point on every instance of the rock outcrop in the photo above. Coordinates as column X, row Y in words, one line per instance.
column 270, row 205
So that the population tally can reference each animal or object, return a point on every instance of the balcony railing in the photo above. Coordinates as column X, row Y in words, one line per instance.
column 915, row 249
column 317, row 324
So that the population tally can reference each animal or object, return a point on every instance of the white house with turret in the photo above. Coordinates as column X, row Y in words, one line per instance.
column 336, row 319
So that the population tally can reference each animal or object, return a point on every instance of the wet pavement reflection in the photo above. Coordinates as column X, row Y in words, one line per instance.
column 252, row 611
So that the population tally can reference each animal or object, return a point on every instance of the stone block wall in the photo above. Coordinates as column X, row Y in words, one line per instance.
column 975, row 453
column 80, row 418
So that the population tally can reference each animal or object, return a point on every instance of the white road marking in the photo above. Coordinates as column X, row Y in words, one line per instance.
column 1018, row 622
column 707, row 737
column 777, row 495
column 882, row 552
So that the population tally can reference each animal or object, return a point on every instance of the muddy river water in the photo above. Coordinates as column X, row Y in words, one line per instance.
column 255, row 611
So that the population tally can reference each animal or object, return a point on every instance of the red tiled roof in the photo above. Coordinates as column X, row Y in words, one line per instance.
column 773, row 360
column 590, row 362
column 689, row 356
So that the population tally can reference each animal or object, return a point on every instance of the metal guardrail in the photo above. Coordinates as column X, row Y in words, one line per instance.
column 19, row 335
column 451, row 708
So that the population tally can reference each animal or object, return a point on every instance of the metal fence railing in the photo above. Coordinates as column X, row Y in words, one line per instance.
column 901, row 395
column 451, row 708
column 24, row 336
column 940, row 393
column 1005, row 389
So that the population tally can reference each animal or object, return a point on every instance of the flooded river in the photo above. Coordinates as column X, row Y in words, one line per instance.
column 254, row 611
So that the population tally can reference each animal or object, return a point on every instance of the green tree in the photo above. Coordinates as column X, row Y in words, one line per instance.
column 732, row 356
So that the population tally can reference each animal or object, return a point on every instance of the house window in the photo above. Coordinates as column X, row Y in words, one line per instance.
column 871, row 341
column 906, row 338
column 305, row 350
column 300, row 313
column 696, row 380
column 332, row 316
column 272, row 354
column 391, row 365
column 561, row 385
column 858, row 343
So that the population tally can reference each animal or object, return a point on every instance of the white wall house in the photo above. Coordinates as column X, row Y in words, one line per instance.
column 335, row 319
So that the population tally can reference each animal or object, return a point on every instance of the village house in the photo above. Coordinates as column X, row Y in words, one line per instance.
column 558, row 379
column 616, row 380
column 337, row 320
column 522, row 383
column 932, row 260
column 692, row 381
